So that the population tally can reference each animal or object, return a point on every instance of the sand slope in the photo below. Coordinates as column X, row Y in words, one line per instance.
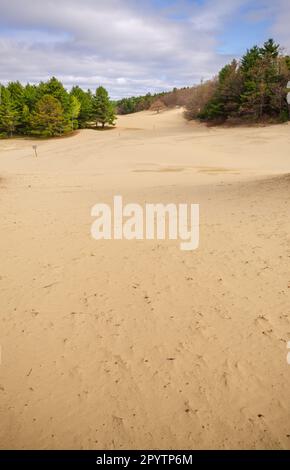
column 137, row 344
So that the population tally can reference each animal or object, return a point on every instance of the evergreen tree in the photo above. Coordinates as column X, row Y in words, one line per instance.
column 56, row 89
column 75, row 107
column 270, row 49
column 9, row 116
column 127, row 105
column 85, row 99
column 261, row 76
column 16, row 94
column 48, row 118
column 226, row 99
column 30, row 96
column 103, row 109
column 252, row 90
column 25, row 120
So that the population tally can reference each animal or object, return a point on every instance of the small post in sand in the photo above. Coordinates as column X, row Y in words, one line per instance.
column 35, row 150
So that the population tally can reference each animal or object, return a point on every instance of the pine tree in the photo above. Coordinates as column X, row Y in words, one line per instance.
column 270, row 49
column 261, row 70
column 253, row 86
column 103, row 110
column 253, row 90
column 16, row 94
column 56, row 89
column 75, row 108
column 48, row 118
column 225, row 101
column 85, row 99
column 30, row 96
column 25, row 120
column 9, row 116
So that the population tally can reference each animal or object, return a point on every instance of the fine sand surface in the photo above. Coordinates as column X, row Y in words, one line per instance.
column 136, row 344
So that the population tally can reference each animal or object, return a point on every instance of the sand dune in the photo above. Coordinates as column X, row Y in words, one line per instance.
column 137, row 344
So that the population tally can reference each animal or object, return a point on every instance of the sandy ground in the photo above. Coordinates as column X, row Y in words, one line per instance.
column 118, row 344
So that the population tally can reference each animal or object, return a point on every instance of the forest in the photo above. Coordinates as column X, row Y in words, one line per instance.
column 48, row 109
column 252, row 90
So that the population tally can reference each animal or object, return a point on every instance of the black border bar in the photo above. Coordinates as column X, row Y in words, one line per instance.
column 126, row 459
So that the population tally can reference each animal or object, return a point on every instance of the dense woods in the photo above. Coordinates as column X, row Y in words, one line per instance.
column 251, row 90
column 48, row 109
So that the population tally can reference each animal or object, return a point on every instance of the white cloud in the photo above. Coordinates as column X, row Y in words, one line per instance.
column 129, row 46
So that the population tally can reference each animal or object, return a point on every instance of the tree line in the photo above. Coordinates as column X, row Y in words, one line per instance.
column 175, row 97
column 48, row 109
column 253, row 89
column 134, row 104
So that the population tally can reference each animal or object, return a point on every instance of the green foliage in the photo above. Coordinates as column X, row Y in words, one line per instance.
column 86, row 100
column 135, row 104
column 252, row 90
column 212, row 111
column 16, row 94
column 103, row 109
column 25, row 119
column 48, row 118
column 56, row 89
column 270, row 49
column 30, row 96
column 48, row 109
column 9, row 116
column 176, row 97
column 75, row 108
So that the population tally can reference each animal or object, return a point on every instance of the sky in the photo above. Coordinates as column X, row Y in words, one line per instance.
column 132, row 46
